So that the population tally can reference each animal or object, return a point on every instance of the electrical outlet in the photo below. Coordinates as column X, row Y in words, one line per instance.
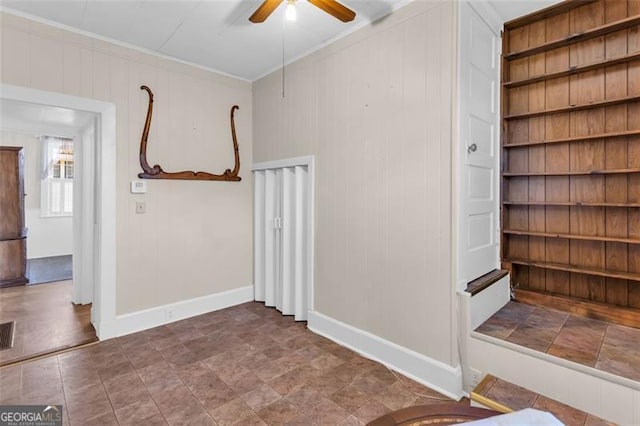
column 141, row 207
column 476, row 378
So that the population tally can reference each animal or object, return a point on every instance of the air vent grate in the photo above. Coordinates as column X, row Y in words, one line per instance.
column 6, row 335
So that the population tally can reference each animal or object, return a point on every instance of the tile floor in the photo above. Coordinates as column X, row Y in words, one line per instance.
column 605, row 346
column 518, row 398
column 46, row 320
column 242, row 365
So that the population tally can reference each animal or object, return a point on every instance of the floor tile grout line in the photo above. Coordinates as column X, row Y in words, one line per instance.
column 604, row 337
column 557, row 333
column 143, row 383
column 64, row 393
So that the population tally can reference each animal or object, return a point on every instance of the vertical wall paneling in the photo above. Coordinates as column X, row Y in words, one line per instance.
column 185, row 246
column 282, row 233
column 570, row 149
column 377, row 117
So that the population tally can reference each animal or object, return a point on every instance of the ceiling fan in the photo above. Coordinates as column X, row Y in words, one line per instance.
column 332, row 7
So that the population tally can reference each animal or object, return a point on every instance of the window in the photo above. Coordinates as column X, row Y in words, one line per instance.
column 57, row 176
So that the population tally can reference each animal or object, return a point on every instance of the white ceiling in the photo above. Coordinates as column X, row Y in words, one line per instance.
column 510, row 9
column 36, row 119
column 217, row 34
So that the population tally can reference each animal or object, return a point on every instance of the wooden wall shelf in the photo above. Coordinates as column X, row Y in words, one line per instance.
column 568, row 203
column 571, row 132
column 577, row 269
column 573, row 236
column 573, row 70
column 572, row 173
column 573, row 108
column 575, row 38
column 599, row 311
column 574, row 139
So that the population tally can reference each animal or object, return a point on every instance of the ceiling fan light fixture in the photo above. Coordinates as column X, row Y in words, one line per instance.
column 290, row 12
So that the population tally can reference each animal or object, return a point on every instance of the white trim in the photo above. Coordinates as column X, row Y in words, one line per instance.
column 596, row 392
column 427, row 371
column 287, row 162
column 103, row 311
column 488, row 14
column 165, row 314
column 4, row 9
column 310, row 162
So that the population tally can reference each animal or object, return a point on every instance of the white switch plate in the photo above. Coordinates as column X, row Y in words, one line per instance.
column 138, row 187
column 140, row 207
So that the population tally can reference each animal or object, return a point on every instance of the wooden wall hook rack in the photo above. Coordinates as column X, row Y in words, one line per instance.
column 156, row 172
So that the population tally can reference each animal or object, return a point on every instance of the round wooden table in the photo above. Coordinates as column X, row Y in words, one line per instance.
column 447, row 414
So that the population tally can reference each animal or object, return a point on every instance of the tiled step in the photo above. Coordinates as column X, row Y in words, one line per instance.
column 503, row 396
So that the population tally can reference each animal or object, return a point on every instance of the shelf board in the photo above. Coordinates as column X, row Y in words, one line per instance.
column 572, row 173
column 572, row 108
column 573, row 70
column 585, row 308
column 572, row 236
column 575, row 38
column 633, row 276
column 575, row 139
column 568, row 203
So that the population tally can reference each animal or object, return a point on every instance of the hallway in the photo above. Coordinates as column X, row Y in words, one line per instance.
column 45, row 320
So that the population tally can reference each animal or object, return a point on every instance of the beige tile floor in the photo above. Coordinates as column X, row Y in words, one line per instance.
column 242, row 365
column 602, row 345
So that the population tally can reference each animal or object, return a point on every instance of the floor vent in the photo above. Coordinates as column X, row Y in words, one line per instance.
column 6, row 335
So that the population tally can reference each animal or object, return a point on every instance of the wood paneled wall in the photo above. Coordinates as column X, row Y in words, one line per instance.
column 571, row 151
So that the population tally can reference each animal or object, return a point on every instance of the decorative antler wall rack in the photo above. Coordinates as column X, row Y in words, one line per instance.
column 156, row 171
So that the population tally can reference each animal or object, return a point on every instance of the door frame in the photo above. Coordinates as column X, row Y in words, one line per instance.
column 103, row 237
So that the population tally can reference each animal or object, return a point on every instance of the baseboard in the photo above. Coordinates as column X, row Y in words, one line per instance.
column 427, row 371
column 165, row 314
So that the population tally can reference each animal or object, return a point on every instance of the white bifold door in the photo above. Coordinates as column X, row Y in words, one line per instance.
column 282, row 232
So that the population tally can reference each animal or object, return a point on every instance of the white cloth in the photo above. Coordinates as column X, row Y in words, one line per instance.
column 528, row 416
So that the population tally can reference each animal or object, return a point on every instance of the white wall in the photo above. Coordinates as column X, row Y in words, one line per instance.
column 375, row 110
column 47, row 236
column 195, row 238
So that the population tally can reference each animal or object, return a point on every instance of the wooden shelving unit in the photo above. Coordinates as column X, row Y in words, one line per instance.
column 570, row 175
column 573, row 173
column 585, row 138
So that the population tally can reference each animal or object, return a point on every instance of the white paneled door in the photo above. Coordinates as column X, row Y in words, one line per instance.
column 478, row 226
column 282, row 235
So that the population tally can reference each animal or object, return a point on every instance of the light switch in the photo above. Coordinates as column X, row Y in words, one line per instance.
column 140, row 207
column 138, row 187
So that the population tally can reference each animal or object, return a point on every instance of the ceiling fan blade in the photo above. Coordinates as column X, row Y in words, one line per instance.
column 263, row 12
column 333, row 8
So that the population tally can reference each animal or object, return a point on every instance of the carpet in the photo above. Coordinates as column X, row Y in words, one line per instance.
column 49, row 269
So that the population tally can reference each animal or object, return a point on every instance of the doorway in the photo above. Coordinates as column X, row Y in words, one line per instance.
column 52, row 310
column 99, row 232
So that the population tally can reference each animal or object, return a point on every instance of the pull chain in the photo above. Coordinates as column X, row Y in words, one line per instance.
column 284, row 27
